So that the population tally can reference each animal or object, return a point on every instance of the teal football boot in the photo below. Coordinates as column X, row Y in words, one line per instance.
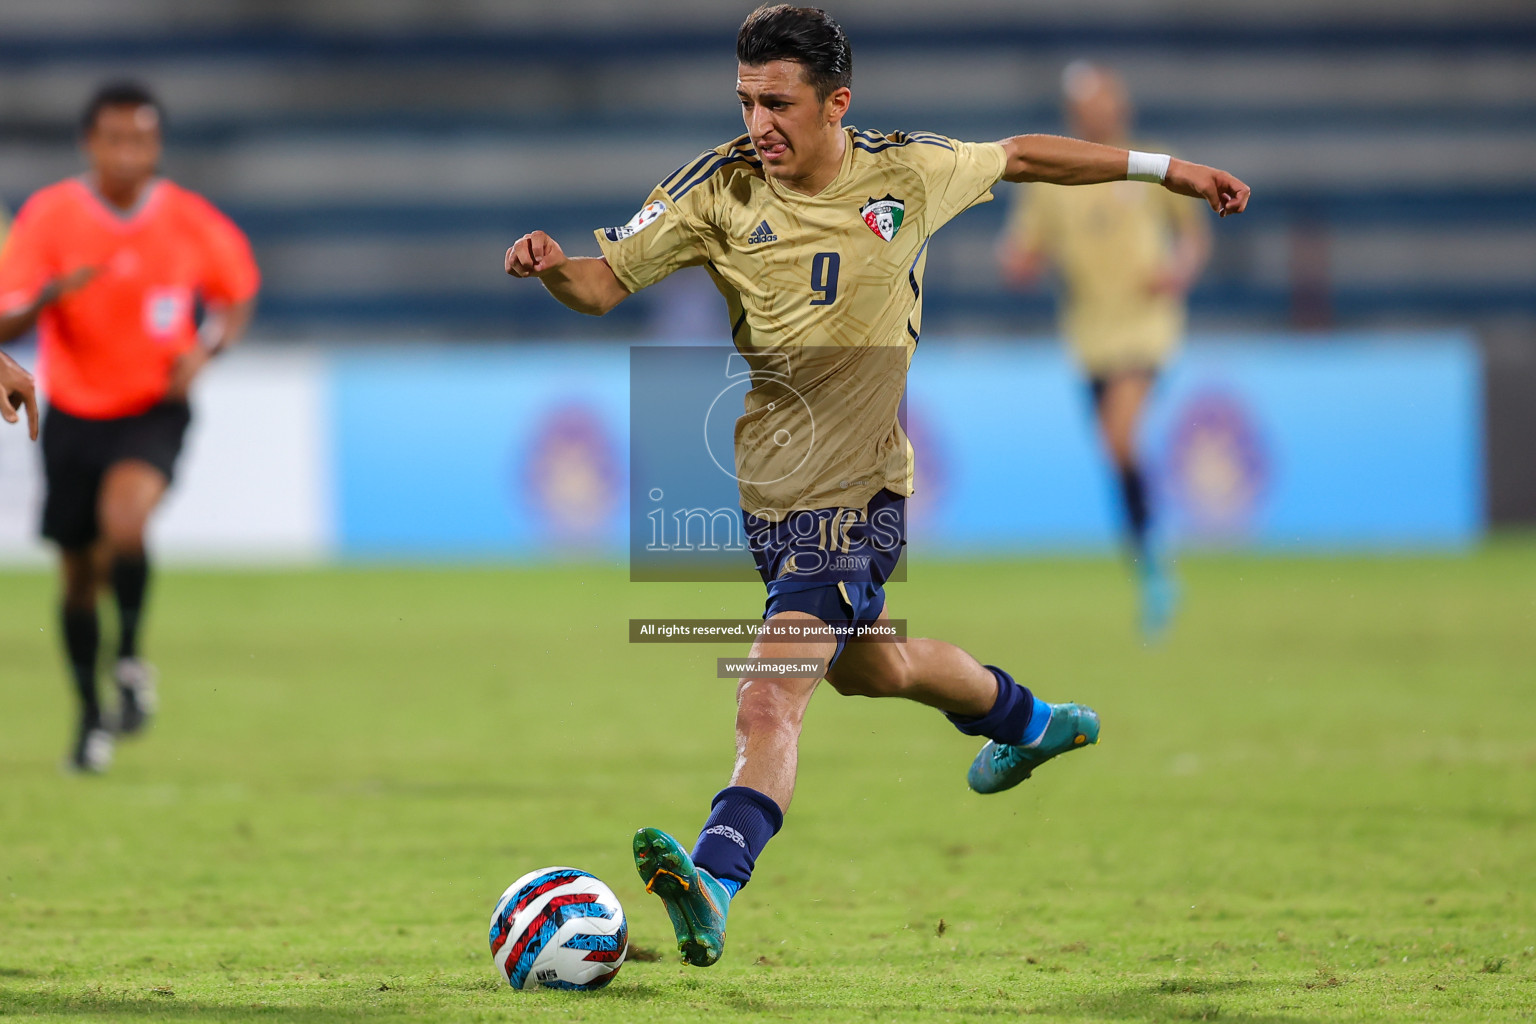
column 1001, row 766
column 695, row 901
column 1159, row 596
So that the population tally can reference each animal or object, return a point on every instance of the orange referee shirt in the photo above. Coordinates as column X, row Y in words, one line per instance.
column 106, row 350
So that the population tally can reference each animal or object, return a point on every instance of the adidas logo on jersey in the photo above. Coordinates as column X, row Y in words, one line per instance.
column 762, row 234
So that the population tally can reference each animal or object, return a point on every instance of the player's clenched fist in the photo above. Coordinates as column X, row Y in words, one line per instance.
column 1224, row 192
column 533, row 254
column 585, row 284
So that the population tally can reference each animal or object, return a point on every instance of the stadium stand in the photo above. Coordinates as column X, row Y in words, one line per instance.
column 382, row 154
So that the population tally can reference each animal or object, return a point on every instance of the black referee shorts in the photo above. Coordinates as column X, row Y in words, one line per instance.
column 77, row 453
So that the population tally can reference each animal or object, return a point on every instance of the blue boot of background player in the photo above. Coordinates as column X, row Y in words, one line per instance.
column 1159, row 593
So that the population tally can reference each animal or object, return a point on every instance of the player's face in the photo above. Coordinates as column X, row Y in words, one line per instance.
column 795, row 134
column 1101, row 113
column 124, row 146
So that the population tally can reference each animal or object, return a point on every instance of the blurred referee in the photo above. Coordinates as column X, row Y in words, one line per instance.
column 115, row 267
column 1127, row 257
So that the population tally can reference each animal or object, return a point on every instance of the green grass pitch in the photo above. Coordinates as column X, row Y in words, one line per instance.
column 1315, row 802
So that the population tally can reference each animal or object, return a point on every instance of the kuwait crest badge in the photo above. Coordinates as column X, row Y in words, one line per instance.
column 883, row 216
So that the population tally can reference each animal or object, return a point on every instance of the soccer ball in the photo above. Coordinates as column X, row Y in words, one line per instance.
column 558, row 928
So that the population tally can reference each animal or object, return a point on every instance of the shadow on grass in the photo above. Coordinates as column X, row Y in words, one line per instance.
column 154, row 1007
column 1198, row 986
column 1171, row 1000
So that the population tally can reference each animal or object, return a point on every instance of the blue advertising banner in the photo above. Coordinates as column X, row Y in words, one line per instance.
column 481, row 450
column 1338, row 443
column 1360, row 441
column 1341, row 442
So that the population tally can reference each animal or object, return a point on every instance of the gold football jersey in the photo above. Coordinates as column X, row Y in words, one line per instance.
column 1109, row 242
column 825, row 299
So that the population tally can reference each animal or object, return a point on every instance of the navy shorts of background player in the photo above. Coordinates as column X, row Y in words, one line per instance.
column 830, row 562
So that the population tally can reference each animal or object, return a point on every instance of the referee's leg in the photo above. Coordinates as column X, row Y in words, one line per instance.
column 130, row 491
column 82, row 631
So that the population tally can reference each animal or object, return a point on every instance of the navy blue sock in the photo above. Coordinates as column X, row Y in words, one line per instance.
column 741, row 821
column 130, row 580
column 1009, row 719
column 82, row 638
column 1138, row 514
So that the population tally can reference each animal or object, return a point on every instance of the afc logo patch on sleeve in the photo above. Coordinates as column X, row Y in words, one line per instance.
column 639, row 222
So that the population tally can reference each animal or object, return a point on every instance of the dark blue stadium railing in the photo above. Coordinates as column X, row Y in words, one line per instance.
column 1279, row 207
column 593, row 43
column 522, row 310
column 1159, row 122
column 525, row 311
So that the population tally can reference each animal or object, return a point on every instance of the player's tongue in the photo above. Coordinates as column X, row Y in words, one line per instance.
column 772, row 150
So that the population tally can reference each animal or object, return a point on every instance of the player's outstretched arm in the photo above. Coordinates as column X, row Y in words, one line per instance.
column 17, row 389
column 1064, row 161
column 585, row 284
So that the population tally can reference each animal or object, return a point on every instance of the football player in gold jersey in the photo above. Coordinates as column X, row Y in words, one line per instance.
column 1127, row 257
column 816, row 235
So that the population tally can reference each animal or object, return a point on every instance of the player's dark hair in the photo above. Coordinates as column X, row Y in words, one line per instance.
column 118, row 94
column 805, row 35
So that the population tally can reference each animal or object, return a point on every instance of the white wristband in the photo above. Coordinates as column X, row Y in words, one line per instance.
column 1146, row 166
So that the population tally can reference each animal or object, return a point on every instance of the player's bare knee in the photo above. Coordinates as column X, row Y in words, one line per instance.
column 759, row 719
column 1121, row 444
column 764, row 718
column 769, row 704
column 124, row 534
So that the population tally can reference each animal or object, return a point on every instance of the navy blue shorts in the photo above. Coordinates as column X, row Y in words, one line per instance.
column 830, row 562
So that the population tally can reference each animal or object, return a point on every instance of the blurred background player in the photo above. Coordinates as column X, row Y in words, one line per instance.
column 1127, row 257
column 112, row 267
